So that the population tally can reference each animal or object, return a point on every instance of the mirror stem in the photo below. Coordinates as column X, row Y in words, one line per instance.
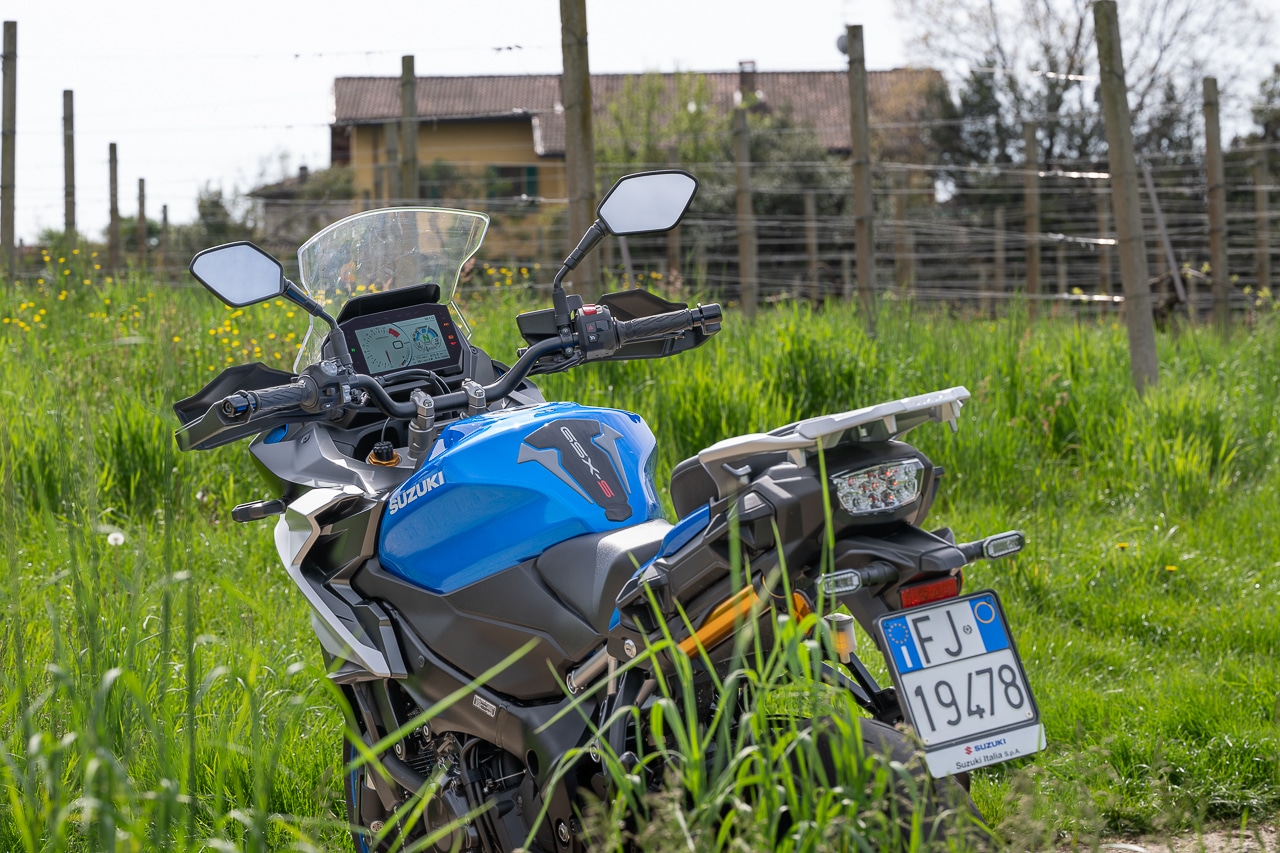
column 299, row 296
column 559, row 301
column 588, row 242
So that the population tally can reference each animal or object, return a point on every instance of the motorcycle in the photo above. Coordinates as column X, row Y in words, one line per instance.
column 440, row 517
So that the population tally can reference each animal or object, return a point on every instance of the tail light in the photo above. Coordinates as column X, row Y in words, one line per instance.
column 947, row 586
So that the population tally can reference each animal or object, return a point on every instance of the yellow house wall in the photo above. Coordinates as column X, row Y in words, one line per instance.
column 470, row 146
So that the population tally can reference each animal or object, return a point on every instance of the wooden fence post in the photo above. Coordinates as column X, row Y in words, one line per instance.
column 8, row 136
column 1104, row 251
column 140, row 235
column 811, row 246
column 1261, row 204
column 675, row 262
column 997, row 251
column 1217, row 209
column 408, row 129
column 164, row 240
column 860, row 155
column 69, row 170
column 1032, row 200
column 1143, row 364
column 579, row 138
column 391, row 131
column 748, row 271
column 113, row 225
column 903, row 248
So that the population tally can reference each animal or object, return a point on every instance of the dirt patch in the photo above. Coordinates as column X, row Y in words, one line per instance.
column 1251, row 840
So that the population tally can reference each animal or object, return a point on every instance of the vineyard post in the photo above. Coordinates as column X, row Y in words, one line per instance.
column 1104, row 249
column 8, row 136
column 1217, row 209
column 748, row 274
column 674, row 249
column 1143, row 364
column 408, row 129
column 997, row 250
column 860, row 151
column 1032, row 201
column 69, row 169
column 579, row 135
column 391, row 130
column 140, row 232
column 903, row 270
column 1261, row 203
column 113, row 225
column 164, row 238
column 811, row 245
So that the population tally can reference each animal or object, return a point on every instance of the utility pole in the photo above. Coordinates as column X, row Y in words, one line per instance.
column 579, row 140
column 69, row 170
column 860, row 151
column 408, row 129
column 1217, row 210
column 113, row 226
column 8, row 135
column 1143, row 365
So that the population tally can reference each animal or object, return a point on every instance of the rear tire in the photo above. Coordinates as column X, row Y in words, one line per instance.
column 948, row 815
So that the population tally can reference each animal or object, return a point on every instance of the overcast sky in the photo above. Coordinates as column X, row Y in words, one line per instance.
column 235, row 93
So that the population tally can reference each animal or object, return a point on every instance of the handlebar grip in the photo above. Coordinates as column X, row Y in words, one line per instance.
column 302, row 394
column 672, row 322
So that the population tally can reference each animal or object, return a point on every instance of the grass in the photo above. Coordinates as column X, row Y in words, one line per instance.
column 166, row 693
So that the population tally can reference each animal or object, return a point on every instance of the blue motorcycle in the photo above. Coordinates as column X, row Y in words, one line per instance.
column 441, row 519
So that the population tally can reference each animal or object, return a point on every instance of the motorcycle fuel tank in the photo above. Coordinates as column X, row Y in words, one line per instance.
column 502, row 487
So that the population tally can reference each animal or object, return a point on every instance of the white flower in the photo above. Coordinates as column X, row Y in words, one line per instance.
column 115, row 538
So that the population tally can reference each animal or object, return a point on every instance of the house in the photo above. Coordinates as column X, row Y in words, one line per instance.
column 502, row 138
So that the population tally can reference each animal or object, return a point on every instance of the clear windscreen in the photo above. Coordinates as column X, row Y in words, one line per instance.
column 381, row 250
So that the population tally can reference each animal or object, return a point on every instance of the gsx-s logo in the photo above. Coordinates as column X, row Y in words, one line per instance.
column 584, row 456
column 982, row 747
column 408, row 495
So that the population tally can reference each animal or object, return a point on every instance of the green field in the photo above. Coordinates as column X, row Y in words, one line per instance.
column 165, row 692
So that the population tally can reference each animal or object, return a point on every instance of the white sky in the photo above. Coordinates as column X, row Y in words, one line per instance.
column 236, row 93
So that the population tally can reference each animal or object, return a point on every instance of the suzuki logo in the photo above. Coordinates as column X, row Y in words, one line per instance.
column 406, row 496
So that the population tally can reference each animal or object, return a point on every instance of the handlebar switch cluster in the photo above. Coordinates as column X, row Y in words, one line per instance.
column 597, row 332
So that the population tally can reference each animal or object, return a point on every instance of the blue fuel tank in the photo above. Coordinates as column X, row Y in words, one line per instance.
column 502, row 487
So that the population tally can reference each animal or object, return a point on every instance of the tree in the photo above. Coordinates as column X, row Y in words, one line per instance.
column 1034, row 60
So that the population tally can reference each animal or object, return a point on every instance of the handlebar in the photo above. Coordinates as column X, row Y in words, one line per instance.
column 593, row 335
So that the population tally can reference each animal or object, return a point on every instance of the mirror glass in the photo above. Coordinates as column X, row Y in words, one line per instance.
column 239, row 273
column 650, row 201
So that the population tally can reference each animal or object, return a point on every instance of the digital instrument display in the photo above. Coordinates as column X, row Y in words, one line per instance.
column 420, row 336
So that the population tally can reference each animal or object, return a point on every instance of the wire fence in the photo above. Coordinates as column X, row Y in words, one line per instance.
column 942, row 233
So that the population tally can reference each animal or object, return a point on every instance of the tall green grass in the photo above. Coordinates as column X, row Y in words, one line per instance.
column 166, row 693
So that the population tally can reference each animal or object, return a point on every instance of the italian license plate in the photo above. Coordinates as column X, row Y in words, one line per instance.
column 961, row 683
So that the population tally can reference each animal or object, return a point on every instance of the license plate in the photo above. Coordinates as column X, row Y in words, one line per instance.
column 961, row 683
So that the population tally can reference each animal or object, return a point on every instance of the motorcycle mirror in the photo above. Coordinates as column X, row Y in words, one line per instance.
column 647, row 202
column 239, row 273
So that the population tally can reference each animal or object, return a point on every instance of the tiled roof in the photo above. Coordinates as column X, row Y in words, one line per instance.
column 818, row 99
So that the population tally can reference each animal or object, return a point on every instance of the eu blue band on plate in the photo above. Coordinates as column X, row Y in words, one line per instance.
column 901, row 644
column 987, row 617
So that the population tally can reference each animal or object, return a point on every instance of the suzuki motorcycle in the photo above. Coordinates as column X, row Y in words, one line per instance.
column 440, row 517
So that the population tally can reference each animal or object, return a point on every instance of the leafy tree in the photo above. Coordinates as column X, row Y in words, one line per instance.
column 1036, row 60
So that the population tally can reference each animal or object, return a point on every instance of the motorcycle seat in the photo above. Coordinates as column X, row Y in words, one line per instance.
column 587, row 572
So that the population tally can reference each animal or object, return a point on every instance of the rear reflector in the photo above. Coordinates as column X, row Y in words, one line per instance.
column 935, row 590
